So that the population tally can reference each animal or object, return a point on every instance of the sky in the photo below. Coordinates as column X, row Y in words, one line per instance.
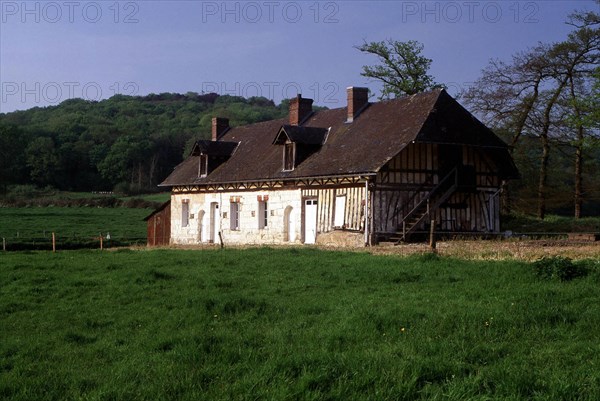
column 51, row 51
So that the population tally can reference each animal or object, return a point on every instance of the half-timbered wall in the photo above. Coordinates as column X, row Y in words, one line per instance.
column 469, row 212
column 402, row 184
column 408, row 178
column 353, row 204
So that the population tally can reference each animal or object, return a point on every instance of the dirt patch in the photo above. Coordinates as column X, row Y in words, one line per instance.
column 500, row 250
column 529, row 250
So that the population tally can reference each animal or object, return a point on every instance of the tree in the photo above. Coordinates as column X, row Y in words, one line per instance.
column 42, row 160
column 582, row 51
column 402, row 68
column 507, row 94
column 12, row 163
column 541, row 90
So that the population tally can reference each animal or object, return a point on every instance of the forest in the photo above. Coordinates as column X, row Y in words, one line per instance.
column 126, row 144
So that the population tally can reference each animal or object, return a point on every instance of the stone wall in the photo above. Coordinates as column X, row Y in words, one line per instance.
column 283, row 217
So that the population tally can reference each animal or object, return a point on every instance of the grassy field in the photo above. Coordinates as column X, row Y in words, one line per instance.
column 520, row 223
column 292, row 324
column 32, row 227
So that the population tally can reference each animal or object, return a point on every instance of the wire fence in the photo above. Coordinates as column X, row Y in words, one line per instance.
column 50, row 241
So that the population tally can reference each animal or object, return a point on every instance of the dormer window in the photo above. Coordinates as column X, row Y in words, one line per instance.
column 289, row 156
column 211, row 154
column 203, row 166
column 299, row 143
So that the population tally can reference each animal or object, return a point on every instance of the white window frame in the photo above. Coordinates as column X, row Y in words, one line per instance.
column 203, row 165
column 185, row 213
column 339, row 217
column 234, row 216
column 286, row 162
column 263, row 214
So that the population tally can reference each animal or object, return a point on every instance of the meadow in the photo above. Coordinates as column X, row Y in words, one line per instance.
column 293, row 324
column 75, row 227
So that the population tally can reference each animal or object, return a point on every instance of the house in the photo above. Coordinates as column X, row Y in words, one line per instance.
column 354, row 175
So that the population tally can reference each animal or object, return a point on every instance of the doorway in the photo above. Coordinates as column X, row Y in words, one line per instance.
column 214, row 221
column 310, row 221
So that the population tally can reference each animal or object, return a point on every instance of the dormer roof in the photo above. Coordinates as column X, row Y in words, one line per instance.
column 213, row 148
column 300, row 134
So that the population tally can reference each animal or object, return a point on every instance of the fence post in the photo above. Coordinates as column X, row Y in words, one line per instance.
column 4, row 244
column 432, row 242
column 101, row 246
column 53, row 242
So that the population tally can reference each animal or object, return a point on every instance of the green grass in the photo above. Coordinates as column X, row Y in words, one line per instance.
column 77, row 225
column 297, row 324
column 31, row 196
column 521, row 223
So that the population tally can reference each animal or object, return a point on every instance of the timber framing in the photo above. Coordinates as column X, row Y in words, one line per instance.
column 312, row 182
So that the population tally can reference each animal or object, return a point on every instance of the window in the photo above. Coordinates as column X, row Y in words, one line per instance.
column 203, row 167
column 185, row 213
column 263, row 214
column 289, row 150
column 340, row 211
column 234, row 215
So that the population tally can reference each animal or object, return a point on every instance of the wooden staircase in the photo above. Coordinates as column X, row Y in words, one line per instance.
column 436, row 197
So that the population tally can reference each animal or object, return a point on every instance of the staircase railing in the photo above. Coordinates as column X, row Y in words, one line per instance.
column 450, row 180
column 428, row 182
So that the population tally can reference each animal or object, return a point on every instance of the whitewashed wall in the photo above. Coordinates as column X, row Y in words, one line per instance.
column 198, row 229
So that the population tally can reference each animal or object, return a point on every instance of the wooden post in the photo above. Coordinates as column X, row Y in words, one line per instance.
column 432, row 242
column 53, row 242
column 221, row 240
column 4, row 244
column 101, row 245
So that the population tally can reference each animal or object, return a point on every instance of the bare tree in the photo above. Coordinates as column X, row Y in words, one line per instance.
column 524, row 95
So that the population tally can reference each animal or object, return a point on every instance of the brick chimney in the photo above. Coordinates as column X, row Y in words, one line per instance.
column 358, row 99
column 299, row 109
column 219, row 127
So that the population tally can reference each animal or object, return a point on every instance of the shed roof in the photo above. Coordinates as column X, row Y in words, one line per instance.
column 158, row 210
column 363, row 146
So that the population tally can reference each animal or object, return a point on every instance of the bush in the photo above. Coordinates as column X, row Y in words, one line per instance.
column 559, row 268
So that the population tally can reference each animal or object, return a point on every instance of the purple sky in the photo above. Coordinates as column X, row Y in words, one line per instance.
column 51, row 51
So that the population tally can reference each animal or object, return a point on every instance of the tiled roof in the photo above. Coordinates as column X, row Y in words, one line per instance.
column 363, row 146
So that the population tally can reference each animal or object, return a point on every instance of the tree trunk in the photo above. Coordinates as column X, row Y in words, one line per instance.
column 506, row 199
column 139, row 183
column 546, row 148
column 578, row 178
column 578, row 152
column 153, row 163
column 543, row 179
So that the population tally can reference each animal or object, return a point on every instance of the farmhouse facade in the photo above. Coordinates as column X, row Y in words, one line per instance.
column 354, row 175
